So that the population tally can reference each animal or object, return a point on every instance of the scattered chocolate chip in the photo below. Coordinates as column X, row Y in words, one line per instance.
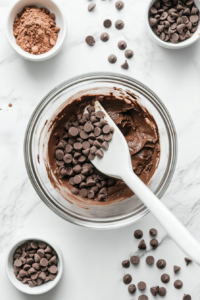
column 141, row 285
column 176, row 269
column 125, row 65
column 153, row 232
column 119, row 24
column 107, row 23
column 119, row 5
column 104, row 37
column 126, row 263
column 122, row 45
column 112, row 58
column 138, row 234
column 142, row 245
column 154, row 290
column 127, row 278
column 135, row 259
column 165, row 278
column 161, row 264
column 91, row 6
column 150, row 260
column 154, row 243
column 132, row 288
column 90, row 40
column 178, row 284
column 143, row 297
column 129, row 53
column 162, row 291
column 187, row 297
column 188, row 261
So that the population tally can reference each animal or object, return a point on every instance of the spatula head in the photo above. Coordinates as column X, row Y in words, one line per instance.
column 116, row 159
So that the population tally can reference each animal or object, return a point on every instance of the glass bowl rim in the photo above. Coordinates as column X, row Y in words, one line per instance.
column 173, row 145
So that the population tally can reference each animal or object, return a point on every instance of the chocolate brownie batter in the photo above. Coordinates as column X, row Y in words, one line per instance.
column 137, row 125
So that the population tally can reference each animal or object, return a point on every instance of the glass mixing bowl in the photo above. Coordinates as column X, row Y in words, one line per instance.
column 111, row 215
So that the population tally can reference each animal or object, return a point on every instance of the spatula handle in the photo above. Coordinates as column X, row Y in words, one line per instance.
column 171, row 224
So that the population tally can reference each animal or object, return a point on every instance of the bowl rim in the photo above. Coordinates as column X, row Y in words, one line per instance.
column 27, row 55
column 100, row 224
column 171, row 46
column 35, row 290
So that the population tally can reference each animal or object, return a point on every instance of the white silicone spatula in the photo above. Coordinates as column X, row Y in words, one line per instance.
column 117, row 163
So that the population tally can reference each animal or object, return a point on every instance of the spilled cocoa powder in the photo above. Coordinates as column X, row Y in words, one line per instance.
column 35, row 30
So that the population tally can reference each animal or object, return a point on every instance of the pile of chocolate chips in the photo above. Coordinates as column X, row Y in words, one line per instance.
column 174, row 20
column 84, row 136
column 161, row 264
column 35, row 263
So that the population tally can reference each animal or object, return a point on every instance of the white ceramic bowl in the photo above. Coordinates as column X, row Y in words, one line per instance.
column 170, row 45
column 60, row 22
column 37, row 290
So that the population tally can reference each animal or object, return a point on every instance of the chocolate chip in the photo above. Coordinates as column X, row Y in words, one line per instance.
column 73, row 131
column 119, row 24
column 104, row 37
column 178, row 284
column 138, row 234
column 143, row 297
column 99, row 153
column 162, row 291
column 132, row 288
column 88, row 126
column 154, row 243
column 97, row 131
column 188, row 261
column 122, row 45
column 119, row 5
column 53, row 270
column 165, row 278
column 101, row 197
column 135, row 260
column 59, row 154
column 99, row 114
column 154, row 290
column 150, row 260
column 77, row 179
column 153, row 232
column 126, row 263
column 127, row 278
column 68, row 148
column 107, row 137
column 187, row 297
column 97, row 144
column 125, row 65
column 141, row 285
column 83, row 193
column 78, row 146
column 161, row 264
column 142, row 245
column 68, row 158
column 90, row 40
column 44, row 262
column 91, row 6
column 176, row 269
column 91, row 194
column 112, row 58
column 74, row 191
column 105, row 145
column 107, row 23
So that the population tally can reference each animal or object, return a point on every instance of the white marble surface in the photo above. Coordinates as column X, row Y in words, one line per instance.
column 93, row 258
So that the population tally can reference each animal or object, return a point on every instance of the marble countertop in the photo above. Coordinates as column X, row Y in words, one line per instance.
column 93, row 258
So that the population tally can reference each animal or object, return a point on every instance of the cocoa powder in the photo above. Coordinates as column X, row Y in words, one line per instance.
column 35, row 30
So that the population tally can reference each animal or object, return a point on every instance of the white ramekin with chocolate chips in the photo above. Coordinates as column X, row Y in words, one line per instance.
column 34, row 265
column 173, row 24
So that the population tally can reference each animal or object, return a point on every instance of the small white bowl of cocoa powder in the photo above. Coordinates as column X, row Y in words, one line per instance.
column 36, row 29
